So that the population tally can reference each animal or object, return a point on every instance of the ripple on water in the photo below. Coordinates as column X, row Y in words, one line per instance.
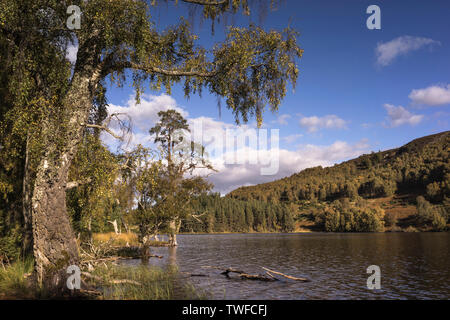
column 413, row 266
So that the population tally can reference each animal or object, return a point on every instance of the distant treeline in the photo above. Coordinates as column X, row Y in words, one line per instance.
column 224, row 214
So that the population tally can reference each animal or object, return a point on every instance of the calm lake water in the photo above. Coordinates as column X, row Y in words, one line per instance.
column 413, row 265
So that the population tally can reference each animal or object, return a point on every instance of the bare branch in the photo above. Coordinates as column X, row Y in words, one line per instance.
column 75, row 184
column 103, row 128
column 126, row 128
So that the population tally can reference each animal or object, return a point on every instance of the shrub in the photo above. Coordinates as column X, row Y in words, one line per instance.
column 390, row 219
column 343, row 216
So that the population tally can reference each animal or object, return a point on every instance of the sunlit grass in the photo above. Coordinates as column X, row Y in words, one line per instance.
column 121, row 239
column 124, row 239
column 144, row 283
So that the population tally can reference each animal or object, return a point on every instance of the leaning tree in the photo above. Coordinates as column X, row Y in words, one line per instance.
column 250, row 69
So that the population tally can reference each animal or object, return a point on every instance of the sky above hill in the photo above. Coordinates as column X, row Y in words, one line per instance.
column 359, row 90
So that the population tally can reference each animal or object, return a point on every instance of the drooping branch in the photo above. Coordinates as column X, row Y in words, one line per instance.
column 207, row 2
column 250, row 69
column 175, row 72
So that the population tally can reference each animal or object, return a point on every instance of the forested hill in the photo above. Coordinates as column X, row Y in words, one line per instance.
column 420, row 167
column 403, row 189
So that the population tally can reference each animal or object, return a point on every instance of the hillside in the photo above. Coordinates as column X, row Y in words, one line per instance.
column 410, row 168
column 402, row 188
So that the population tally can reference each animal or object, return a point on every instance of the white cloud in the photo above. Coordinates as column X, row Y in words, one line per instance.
column 282, row 119
column 292, row 138
column 312, row 124
column 431, row 96
column 231, row 177
column 398, row 116
column 145, row 114
column 388, row 51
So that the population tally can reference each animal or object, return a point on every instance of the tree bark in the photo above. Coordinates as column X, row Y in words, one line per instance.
column 55, row 246
column 174, row 228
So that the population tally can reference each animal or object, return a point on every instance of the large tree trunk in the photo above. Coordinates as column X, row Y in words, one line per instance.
column 55, row 246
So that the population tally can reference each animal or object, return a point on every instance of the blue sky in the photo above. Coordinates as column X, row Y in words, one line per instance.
column 359, row 90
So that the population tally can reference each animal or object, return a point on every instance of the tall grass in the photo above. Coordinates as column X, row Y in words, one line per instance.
column 150, row 283
column 141, row 283
column 124, row 239
column 121, row 239
column 13, row 280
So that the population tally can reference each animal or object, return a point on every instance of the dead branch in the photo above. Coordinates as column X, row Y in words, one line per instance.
column 121, row 281
column 197, row 216
column 284, row 275
column 96, row 126
column 126, row 128
column 90, row 292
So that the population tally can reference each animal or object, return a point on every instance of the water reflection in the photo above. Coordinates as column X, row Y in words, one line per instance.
column 413, row 266
column 172, row 257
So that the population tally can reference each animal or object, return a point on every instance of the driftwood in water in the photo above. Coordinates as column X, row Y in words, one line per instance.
column 243, row 275
column 269, row 276
column 271, row 272
column 194, row 274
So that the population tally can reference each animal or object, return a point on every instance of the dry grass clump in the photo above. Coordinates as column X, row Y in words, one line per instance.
column 121, row 239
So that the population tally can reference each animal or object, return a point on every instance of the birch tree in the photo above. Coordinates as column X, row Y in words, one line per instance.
column 250, row 69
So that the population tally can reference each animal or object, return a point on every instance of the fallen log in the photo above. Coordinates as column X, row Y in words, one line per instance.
column 90, row 293
column 121, row 281
column 269, row 276
column 242, row 274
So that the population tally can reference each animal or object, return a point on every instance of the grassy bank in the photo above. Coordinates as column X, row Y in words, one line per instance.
column 109, row 282
column 144, row 283
column 124, row 239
